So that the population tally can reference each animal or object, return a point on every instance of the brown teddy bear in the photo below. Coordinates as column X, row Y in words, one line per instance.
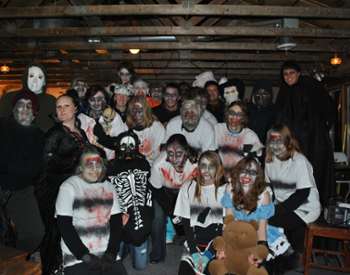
column 239, row 241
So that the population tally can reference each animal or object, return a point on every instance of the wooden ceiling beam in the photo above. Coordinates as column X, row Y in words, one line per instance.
column 242, row 31
column 221, row 46
column 173, row 10
column 17, row 57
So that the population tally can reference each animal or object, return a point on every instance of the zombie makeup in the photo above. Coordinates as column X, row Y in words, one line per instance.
column 127, row 147
column 262, row 98
column 124, row 75
column 141, row 88
column 81, row 87
column 291, row 76
column 137, row 113
column 276, row 144
column 36, row 80
column 171, row 98
column 23, row 112
column 156, row 93
column 190, row 114
column 247, row 177
column 97, row 102
column 234, row 118
column 230, row 94
column 207, row 170
column 176, row 156
column 91, row 168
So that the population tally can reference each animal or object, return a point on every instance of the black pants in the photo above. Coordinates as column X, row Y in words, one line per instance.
column 294, row 228
column 82, row 269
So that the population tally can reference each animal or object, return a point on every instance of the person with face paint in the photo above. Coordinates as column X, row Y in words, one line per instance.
column 215, row 104
column 89, row 219
column 129, row 172
column 249, row 199
column 149, row 130
column 197, row 130
column 176, row 165
column 141, row 88
column 233, row 138
column 96, row 99
column 232, row 90
column 125, row 73
column 63, row 145
column 80, row 85
column 170, row 106
column 120, row 99
column 21, row 148
column 202, row 98
column 34, row 81
column 307, row 109
column 291, row 176
column 262, row 111
column 198, row 205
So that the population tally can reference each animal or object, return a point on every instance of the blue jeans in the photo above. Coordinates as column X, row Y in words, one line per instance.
column 139, row 254
column 158, row 234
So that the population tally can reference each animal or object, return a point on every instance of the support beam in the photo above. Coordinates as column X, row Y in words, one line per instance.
column 173, row 10
column 221, row 46
column 183, row 31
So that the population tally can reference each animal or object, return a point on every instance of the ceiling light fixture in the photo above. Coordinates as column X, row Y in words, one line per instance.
column 134, row 51
column 4, row 68
column 335, row 60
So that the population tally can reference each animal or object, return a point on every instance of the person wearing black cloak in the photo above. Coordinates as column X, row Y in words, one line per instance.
column 261, row 110
column 305, row 106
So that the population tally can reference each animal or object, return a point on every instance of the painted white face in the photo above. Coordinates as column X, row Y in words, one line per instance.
column 81, row 87
column 276, row 145
column 23, row 112
column 247, row 177
column 127, row 144
column 124, row 75
column 207, row 169
column 97, row 102
column 234, row 118
column 36, row 80
column 190, row 114
column 230, row 94
column 176, row 156
column 91, row 168
column 141, row 88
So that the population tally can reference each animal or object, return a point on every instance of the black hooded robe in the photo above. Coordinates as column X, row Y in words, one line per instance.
column 309, row 111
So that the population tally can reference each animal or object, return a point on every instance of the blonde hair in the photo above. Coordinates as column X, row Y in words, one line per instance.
column 288, row 138
column 147, row 112
column 213, row 158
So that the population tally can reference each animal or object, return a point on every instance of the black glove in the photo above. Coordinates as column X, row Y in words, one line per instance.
column 93, row 262
column 107, row 261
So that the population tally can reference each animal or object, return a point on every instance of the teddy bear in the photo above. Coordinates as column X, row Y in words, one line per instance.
column 239, row 241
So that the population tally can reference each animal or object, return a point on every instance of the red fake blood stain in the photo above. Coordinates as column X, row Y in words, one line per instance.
column 146, row 148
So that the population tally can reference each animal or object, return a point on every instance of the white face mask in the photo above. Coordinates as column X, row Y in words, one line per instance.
column 36, row 80
column 230, row 94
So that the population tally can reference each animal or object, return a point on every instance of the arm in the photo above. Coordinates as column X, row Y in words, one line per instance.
column 102, row 138
column 115, row 225
column 189, row 234
column 293, row 202
column 262, row 224
column 71, row 237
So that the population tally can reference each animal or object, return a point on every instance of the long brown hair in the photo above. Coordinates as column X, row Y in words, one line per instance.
column 214, row 158
column 147, row 111
column 290, row 141
column 244, row 109
column 247, row 201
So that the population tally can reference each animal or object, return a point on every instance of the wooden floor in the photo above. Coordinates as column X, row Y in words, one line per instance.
column 170, row 266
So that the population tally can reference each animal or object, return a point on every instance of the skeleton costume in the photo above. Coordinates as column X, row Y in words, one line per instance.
column 129, row 173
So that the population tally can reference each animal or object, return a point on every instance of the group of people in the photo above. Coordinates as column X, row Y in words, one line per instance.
column 98, row 173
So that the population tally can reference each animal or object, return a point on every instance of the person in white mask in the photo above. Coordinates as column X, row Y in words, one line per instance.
column 34, row 81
